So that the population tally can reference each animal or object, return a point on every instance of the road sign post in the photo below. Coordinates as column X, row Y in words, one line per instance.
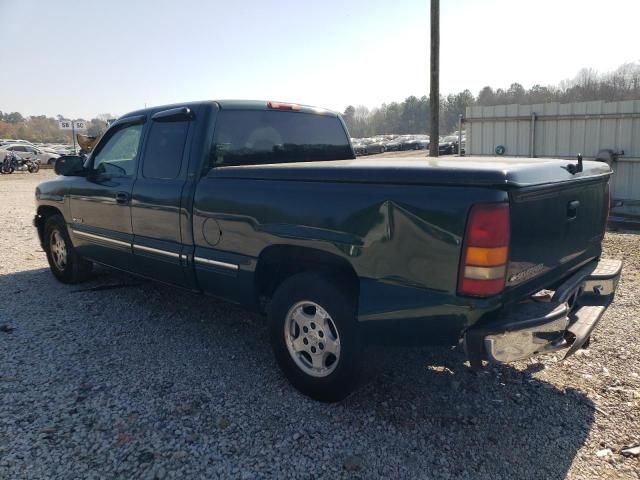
column 73, row 125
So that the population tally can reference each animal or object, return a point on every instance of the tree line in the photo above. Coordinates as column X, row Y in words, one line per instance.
column 412, row 115
column 43, row 129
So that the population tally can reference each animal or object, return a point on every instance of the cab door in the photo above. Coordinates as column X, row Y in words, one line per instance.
column 158, row 202
column 100, row 202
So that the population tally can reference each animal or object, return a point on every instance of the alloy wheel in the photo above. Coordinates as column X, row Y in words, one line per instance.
column 58, row 249
column 312, row 339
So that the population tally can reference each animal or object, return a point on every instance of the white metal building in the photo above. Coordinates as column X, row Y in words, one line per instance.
column 562, row 131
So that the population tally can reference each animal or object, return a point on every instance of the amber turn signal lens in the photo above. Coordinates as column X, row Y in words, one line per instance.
column 486, row 257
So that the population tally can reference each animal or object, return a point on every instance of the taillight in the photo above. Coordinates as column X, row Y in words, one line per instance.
column 486, row 250
column 283, row 106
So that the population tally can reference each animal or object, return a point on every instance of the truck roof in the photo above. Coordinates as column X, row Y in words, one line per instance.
column 231, row 105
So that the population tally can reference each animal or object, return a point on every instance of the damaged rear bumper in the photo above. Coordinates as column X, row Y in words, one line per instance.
column 565, row 323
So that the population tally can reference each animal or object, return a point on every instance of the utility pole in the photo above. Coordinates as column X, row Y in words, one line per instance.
column 434, row 97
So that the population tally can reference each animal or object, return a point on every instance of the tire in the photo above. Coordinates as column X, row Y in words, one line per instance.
column 64, row 261
column 332, row 377
column 383, row 149
column 34, row 168
column 6, row 169
column 52, row 161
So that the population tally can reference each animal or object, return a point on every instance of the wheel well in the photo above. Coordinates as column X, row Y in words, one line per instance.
column 279, row 262
column 44, row 212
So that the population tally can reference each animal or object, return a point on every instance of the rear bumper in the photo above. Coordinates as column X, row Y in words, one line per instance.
column 565, row 323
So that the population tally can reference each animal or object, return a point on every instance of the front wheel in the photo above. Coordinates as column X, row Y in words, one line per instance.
column 34, row 168
column 315, row 337
column 64, row 261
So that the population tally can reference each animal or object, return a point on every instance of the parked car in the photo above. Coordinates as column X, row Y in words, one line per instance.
column 6, row 141
column 358, row 146
column 413, row 142
column 272, row 212
column 417, row 142
column 64, row 149
column 372, row 146
column 393, row 145
column 31, row 153
column 402, row 142
column 448, row 145
column 48, row 150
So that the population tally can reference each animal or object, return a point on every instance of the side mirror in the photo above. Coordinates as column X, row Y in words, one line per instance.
column 69, row 166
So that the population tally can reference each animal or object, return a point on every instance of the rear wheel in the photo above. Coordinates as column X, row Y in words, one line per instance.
column 315, row 337
column 64, row 261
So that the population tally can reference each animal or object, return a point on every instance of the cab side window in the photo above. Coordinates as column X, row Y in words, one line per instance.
column 119, row 155
column 164, row 149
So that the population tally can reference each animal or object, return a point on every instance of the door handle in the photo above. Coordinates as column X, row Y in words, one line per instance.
column 572, row 209
column 122, row 198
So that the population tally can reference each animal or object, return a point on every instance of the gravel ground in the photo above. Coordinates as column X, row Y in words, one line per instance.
column 123, row 378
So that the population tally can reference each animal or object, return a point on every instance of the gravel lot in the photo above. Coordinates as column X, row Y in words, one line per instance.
column 123, row 378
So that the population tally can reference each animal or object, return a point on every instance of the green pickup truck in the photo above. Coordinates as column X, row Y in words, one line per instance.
column 265, row 205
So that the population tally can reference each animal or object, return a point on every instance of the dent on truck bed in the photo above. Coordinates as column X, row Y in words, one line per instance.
column 404, row 251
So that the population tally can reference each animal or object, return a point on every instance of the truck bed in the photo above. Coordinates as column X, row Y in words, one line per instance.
column 473, row 171
column 405, row 200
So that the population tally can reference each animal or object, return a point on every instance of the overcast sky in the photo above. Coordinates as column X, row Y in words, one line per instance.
column 81, row 58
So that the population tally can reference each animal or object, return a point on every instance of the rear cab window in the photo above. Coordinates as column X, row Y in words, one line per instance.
column 164, row 149
column 250, row 137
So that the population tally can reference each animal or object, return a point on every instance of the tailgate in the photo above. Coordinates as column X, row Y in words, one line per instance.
column 554, row 229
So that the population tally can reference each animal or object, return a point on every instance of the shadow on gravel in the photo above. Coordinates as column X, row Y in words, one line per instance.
column 150, row 371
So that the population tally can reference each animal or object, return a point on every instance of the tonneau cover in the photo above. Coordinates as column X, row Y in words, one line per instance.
column 466, row 171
